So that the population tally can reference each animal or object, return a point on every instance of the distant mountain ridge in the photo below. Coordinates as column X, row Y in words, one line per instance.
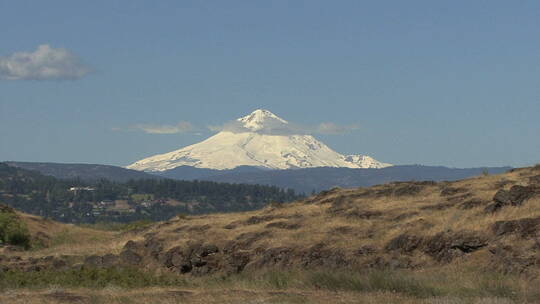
column 323, row 178
column 87, row 172
column 260, row 139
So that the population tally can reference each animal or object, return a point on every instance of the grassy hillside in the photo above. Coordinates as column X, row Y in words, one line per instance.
column 471, row 241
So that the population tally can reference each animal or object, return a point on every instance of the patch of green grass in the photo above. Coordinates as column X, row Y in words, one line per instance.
column 373, row 281
column 277, row 279
column 88, row 278
column 64, row 237
column 497, row 285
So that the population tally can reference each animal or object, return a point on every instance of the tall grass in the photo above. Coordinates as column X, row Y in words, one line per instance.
column 88, row 278
column 420, row 285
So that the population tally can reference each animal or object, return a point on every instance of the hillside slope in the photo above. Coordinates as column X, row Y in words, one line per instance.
column 478, row 221
column 475, row 240
column 85, row 172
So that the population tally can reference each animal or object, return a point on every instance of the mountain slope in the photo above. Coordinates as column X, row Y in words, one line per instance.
column 260, row 139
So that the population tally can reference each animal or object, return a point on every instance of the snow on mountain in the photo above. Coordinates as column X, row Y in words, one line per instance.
column 260, row 139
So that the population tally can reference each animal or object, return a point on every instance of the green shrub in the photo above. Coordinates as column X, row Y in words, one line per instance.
column 13, row 230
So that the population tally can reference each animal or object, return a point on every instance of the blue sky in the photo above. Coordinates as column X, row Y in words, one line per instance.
column 453, row 83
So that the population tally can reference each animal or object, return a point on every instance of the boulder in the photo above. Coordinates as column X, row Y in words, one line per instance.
column 319, row 255
column 525, row 227
column 93, row 261
column 130, row 257
column 110, row 260
column 405, row 243
column 445, row 246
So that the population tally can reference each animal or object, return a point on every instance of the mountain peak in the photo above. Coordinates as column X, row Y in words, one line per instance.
column 260, row 119
column 263, row 140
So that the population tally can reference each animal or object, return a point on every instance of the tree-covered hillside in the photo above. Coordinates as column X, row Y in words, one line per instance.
column 156, row 199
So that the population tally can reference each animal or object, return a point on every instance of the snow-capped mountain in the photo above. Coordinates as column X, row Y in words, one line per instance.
column 260, row 139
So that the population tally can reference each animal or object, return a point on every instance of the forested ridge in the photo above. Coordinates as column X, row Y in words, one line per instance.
column 80, row 201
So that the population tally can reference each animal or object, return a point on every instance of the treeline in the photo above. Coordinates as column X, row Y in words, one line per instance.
column 47, row 196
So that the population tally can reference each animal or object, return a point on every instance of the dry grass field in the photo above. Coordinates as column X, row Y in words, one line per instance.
column 472, row 241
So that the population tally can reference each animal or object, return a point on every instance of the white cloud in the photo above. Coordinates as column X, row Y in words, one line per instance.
column 332, row 128
column 276, row 128
column 45, row 63
column 181, row 127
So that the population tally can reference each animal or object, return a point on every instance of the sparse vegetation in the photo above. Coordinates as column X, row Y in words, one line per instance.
column 88, row 278
column 13, row 230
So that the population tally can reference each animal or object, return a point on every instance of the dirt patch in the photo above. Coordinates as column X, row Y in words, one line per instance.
column 63, row 296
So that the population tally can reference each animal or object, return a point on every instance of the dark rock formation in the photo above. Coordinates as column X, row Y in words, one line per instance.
column 526, row 227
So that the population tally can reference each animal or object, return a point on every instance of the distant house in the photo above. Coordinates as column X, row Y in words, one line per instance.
column 76, row 189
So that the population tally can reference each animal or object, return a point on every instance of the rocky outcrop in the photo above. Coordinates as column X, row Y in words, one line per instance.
column 443, row 247
column 525, row 227
column 513, row 197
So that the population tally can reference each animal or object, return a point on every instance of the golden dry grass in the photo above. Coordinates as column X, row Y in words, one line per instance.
column 318, row 224
column 321, row 219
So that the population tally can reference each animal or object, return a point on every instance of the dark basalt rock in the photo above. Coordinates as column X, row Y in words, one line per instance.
column 320, row 256
column 110, row 260
column 439, row 206
column 446, row 246
column 449, row 191
column 199, row 228
column 363, row 214
column 153, row 247
column 93, row 261
column 405, row 243
column 237, row 261
column 131, row 245
column 366, row 250
column 59, row 264
column 516, row 195
column 284, row 225
column 472, row 203
column 513, row 197
column 258, row 219
column 534, row 180
column 130, row 257
column 404, row 216
column 526, row 227
column 408, row 190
